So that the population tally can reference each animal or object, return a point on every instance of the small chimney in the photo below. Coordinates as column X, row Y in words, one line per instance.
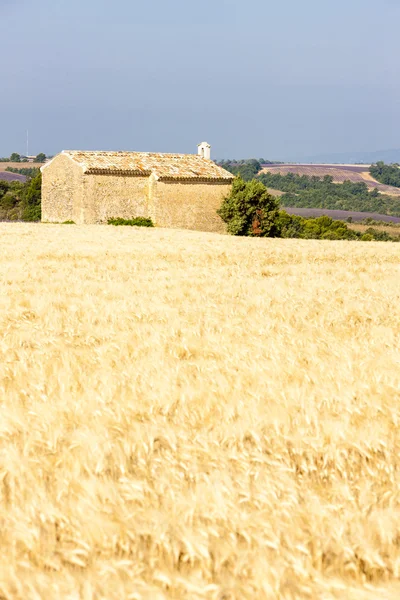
column 204, row 150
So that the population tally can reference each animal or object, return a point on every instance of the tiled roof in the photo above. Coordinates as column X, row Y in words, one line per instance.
column 163, row 166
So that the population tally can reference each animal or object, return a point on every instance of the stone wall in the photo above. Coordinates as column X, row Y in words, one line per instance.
column 188, row 205
column 107, row 196
column 68, row 194
column 61, row 190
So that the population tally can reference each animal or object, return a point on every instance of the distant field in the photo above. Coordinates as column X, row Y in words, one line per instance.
column 191, row 416
column 5, row 165
column 340, row 173
column 275, row 192
column 7, row 176
column 394, row 231
column 340, row 215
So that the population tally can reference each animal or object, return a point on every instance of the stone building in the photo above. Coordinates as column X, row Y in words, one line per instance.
column 175, row 190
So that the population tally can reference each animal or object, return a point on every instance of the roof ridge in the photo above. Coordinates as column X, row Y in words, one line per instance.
column 162, row 165
column 127, row 152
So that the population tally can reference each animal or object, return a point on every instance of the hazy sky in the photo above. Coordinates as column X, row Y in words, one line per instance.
column 282, row 79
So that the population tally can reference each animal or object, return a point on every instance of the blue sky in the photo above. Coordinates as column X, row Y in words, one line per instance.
column 281, row 80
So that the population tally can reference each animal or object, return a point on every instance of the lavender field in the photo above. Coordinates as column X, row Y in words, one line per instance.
column 340, row 215
column 7, row 176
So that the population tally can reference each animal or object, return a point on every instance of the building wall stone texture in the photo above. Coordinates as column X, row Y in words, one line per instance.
column 107, row 196
column 189, row 205
column 70, row 194
column 62, row 188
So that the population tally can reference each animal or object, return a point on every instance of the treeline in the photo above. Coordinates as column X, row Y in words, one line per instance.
column 28, row 172
column 21, row 201
column 248, row 168
column 387, row 174
column 325, row 228
column 250, row 210
column 303, row 191
column 15, row 157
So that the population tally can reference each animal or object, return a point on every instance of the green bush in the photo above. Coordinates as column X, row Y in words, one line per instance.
column 379, row 236
column 68, row 223
column 31, row 202
column 31, row 213
column 136, row 222
column 250, row 210
column 21, row 201
column 321, row 228
column 387, row 174
column 8, row 201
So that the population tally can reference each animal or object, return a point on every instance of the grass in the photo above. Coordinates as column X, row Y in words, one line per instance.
column 193, row 416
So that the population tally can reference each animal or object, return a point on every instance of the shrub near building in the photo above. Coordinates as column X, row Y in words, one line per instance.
column 250, row 210
column 21, row 201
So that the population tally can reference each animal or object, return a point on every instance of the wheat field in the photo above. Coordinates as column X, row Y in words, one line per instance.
column 192, row 416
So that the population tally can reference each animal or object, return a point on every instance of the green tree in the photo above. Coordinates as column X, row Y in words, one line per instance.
column 28, row 171
column 41, row 157
column 247, row 169
column 3, row 187
column 32, row 199
column 15, row 157
column 387, row 174
column 250, row 210
column 316, row 192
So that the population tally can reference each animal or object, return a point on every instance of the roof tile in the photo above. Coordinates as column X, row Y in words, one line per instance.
column 163, row 166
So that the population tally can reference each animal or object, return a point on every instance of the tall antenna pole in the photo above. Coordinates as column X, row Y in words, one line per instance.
column 27, row 142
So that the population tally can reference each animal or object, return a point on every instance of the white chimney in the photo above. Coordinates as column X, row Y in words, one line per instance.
column 204, row 150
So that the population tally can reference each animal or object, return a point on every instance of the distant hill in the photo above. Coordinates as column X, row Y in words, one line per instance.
column 7, row 176
column 387, row 156
column 20, row 165
column 339, row 173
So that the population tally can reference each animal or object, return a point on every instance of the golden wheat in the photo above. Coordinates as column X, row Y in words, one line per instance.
column 193, row 416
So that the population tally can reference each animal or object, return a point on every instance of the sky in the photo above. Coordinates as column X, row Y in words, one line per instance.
column 280, row 80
